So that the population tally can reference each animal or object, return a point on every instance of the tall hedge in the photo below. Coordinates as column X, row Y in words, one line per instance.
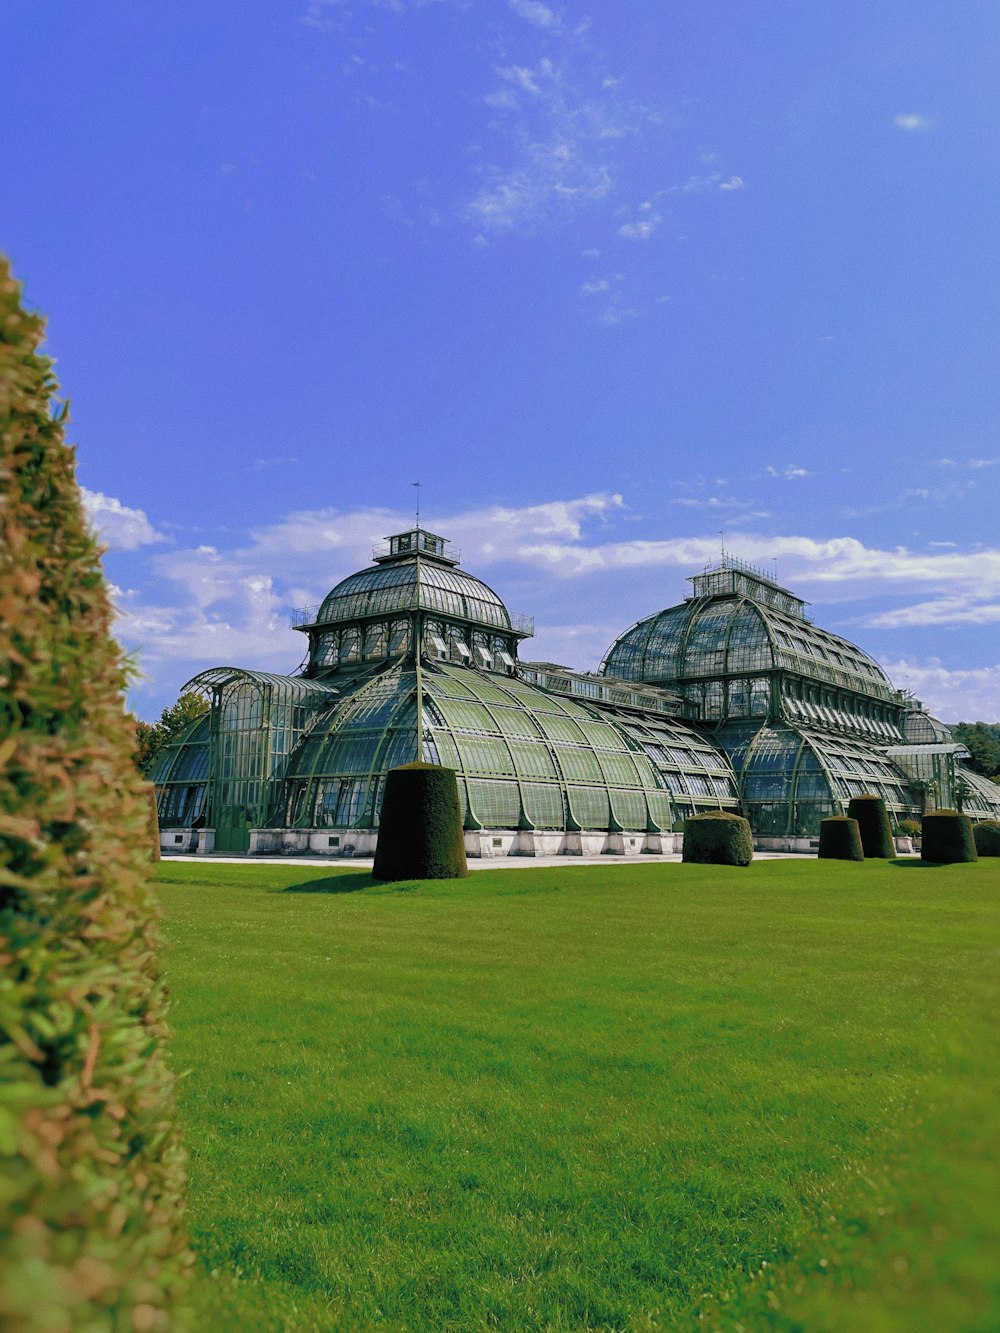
column 91, row 1170
column 873, row 824
column 420, row 827
column 947, row 838
column 718, row 838
column 840, row 839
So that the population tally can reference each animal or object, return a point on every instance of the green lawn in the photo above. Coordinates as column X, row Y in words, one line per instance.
column 632, row 1096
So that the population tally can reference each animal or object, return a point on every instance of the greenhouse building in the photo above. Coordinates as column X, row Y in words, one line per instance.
column 732, row 699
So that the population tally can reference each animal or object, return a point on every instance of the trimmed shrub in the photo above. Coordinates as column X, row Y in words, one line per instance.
column 987, row 837
column 840, row 839
column 873, row 824
column 420, row 828
column 948, row 838
column 91, row 1233
column 908, row 828
column 718, row 838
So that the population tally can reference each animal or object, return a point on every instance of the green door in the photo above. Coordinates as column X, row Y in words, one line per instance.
column 232, row 831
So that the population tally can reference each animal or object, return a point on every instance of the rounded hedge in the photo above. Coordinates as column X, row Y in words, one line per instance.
column 420, row 828
column 948, row 838
column 987, row 837
column 873, row 825
column 718, row 838
column 91, row 1202
column 840, row 839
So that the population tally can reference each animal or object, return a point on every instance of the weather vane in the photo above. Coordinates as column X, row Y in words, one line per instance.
column 417, row 484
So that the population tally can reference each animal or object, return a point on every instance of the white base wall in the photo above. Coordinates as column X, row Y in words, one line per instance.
column 481, row 844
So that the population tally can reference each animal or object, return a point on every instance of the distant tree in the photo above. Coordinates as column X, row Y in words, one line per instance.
column 91, row 1225
column 152, row 737
column 982, row 740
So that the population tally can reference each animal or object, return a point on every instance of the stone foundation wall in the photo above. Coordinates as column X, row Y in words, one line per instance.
column 485, row 843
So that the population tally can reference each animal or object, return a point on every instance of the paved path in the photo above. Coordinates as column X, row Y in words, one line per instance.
column 475, row 863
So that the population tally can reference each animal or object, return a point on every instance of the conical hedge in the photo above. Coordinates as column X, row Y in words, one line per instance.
column 840, row 839
column 717, row 837
column 947, row 838
column 873, row 823
column 420, row 827
column 91, row 1170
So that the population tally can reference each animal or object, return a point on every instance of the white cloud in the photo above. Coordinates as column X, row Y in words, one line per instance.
column 955, row 695
column 700, row 184
column 938, row 611
column 557, row 125
column 913, row 122
column 118, row 527
column 983, row 462
column 597, row 285
column 790, row 471
column 535, row 12
column 644, row 226
column 562, row 559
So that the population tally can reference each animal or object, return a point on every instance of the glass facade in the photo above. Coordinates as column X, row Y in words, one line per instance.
column 731, row 700
column 525, row 759
column 807, row 718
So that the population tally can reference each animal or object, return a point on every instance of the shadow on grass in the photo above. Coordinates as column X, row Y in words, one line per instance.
column 926, row 865
column 351, row 883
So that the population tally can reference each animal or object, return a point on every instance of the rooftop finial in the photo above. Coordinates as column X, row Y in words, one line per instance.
column 417, row 484
column 722, row 542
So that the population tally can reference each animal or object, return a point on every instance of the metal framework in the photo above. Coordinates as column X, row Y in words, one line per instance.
column 732, row 699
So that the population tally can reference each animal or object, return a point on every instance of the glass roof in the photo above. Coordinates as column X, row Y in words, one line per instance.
column 393, row 587
column 524, row 758
column 730, row 635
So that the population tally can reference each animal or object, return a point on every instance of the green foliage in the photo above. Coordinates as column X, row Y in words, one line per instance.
column 947, row 838
column 908, row 828
column 718, row 838
column 602, row 1097
column 420, row 827
column 92, row 1174
column 152, row 737
column 873, row 823
column 840, row 839
column 982, row 740
column 987, row 837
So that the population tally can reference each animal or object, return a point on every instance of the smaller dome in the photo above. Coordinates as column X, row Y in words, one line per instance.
column 394, row 584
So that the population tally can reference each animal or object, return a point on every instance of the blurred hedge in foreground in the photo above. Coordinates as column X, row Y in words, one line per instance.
column 91, row 1170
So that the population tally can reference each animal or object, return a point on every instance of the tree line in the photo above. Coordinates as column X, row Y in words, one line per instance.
column 982, row 740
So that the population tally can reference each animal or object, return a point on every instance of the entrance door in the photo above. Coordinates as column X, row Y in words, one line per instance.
column 232, row 831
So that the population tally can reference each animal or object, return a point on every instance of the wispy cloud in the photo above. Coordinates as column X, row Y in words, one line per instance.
column 557, row 129
column 538, row 14
column 701, row 184
column 913, row 122
column 644, row 226
column 949, row 610
column 790, row 471
column 118, row 526
column 956, row 695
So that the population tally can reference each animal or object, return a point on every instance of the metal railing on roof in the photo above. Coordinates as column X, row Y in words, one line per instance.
column 306, row 615
column 452, row 554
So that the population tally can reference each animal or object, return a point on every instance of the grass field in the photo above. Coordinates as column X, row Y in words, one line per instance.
column 632, row 1096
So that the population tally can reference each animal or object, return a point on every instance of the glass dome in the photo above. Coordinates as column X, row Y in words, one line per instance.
column 394, row 587
column 732, row 635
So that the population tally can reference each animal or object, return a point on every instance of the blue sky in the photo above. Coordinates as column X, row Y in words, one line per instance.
column 608, row 278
